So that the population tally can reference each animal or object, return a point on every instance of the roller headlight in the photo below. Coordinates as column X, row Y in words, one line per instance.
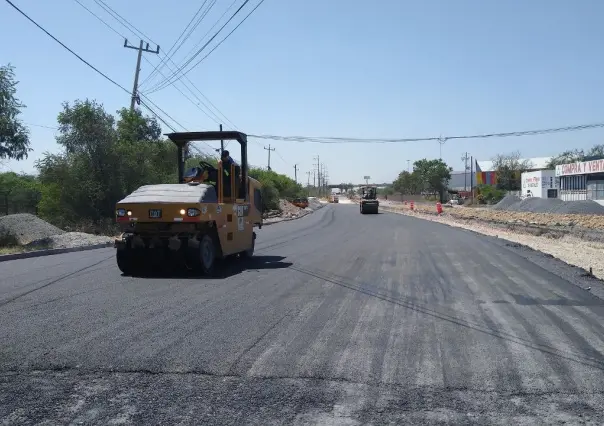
column 193, row 212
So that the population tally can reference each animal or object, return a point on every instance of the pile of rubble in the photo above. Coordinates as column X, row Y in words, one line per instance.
column 287, row 211
column 26, row 231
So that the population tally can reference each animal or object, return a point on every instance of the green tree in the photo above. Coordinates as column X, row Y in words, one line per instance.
column 14, row 136
column 566, row 157
column 19, row 193
column 595, row 153
column 407, row 183
column 102, row 161
column 433, row 174
column 572, row 156
column 133, row 126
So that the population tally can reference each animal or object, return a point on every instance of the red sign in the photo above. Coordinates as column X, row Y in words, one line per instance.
column 580, row 168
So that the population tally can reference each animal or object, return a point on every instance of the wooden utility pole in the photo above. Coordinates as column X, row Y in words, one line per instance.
column 296, row 173
column 269, row 149
column 141, row 49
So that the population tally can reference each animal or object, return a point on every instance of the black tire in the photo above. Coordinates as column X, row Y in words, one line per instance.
column 249, row 253
column 125, row 261
column 207, row 254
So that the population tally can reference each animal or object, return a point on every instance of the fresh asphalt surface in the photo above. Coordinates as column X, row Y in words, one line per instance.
column 340, row 319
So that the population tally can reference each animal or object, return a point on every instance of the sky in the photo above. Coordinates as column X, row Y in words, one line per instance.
column 336, row 68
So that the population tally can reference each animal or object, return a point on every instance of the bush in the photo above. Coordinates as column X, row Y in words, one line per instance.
column 490, row 194
column 270, row 196
column 276, row 186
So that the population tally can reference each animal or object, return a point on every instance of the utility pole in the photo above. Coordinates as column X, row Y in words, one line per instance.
column 269, row 149
column 465, row 159
column 308, row 179
column 316, row 173
column 221, row 143
column 296, row 173
column 472, row 177
column 441, row 142
column 408, row 166
column 322, row 174
column 141, row 49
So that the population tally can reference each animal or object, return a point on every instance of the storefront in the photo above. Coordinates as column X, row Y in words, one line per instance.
column 582, row 181
column 541, row 184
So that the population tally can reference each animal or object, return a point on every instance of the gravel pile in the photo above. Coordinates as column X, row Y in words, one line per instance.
column 70, row 240
column 587, row 207
column 23, row 228
column 549, row 205
column 536, row 205
column 506, row 202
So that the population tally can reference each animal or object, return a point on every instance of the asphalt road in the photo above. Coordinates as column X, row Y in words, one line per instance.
column 341, row 319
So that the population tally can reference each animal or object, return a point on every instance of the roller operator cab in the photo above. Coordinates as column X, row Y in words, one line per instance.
column 369, row 202
column 209, row 215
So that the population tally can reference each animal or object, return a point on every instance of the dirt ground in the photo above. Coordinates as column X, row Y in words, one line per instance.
column 485, row 213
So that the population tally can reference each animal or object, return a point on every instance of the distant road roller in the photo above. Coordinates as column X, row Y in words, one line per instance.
column 209, row 215
column 369, row 202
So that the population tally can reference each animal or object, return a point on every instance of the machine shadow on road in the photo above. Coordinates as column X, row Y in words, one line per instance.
column 224, row 269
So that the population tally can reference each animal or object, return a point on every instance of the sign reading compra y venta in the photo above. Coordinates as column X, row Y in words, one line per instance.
column 580, row 168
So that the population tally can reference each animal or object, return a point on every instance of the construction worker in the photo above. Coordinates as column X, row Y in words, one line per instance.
column 226, row 162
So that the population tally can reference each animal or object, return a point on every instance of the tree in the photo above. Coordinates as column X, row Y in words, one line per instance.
column 133, row 126
column 19, row 193
column 407, row 183
column 102, row 161
column 570, row 156
column 509, row 168
column 595, row 153
column 575, row 155
column 14, row 136
column 433, row 174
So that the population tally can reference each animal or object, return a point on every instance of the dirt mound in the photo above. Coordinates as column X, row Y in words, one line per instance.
column 23, row 228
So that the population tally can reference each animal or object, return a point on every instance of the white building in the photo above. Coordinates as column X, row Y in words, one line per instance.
column 540, row 183
column 582, row 181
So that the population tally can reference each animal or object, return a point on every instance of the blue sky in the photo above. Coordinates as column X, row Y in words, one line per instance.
column 353, row 68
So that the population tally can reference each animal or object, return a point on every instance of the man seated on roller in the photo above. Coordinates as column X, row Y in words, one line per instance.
column 226, row 162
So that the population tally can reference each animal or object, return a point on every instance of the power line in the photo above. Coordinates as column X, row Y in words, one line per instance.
column 332, row 140
column 172, row 80
column 164, row 112
column 119, row 19
column 168, row 115
column 197, row 45
column 170, row 53
column 228, row 35
column 400, row 140
column 157, row 115
column 40, row 125
column 95, row 69
column 67, row 48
